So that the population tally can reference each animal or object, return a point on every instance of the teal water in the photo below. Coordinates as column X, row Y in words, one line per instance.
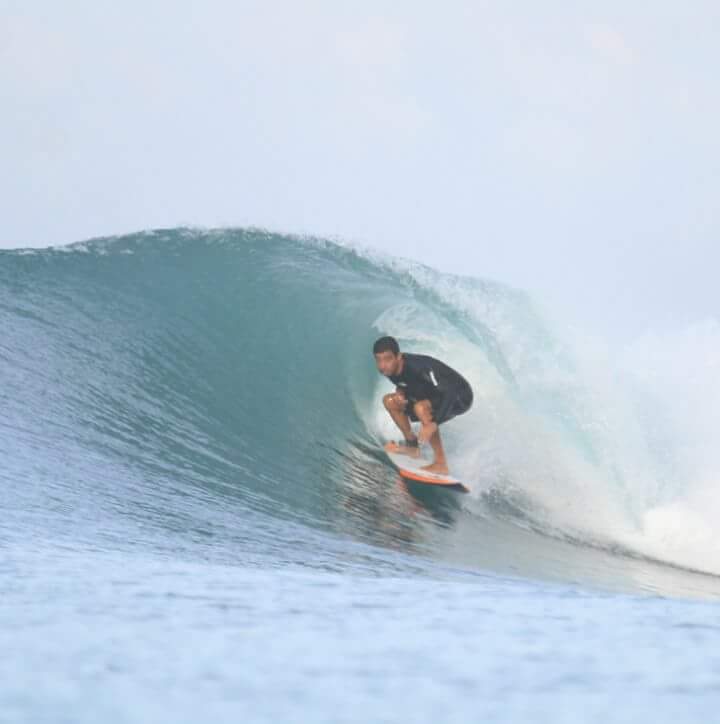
column 197, row 520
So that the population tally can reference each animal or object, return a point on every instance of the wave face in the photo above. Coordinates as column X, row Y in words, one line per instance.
column 214, row 394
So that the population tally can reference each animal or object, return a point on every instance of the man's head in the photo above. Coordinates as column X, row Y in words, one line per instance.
column 387, row 356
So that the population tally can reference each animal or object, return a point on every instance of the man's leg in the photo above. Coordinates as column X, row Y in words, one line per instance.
column 395, row 404
column 440, row 463
column 423, row 410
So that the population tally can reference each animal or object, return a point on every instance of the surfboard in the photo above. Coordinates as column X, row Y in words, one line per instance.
column 411, row 469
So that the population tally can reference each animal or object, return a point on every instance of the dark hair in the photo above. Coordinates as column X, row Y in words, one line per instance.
column 386, row 344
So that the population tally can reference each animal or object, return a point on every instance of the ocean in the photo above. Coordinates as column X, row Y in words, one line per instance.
column 199, row 523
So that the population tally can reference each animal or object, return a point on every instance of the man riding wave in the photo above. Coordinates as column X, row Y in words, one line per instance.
column 426, row 391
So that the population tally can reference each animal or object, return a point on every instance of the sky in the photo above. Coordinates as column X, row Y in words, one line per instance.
column 568, row 149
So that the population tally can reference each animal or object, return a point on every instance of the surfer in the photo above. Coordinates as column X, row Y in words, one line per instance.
column 426, row 391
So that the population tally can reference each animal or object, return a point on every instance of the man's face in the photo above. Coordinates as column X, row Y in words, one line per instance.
column 387, row 363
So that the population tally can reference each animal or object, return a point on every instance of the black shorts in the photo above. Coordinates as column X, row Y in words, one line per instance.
column 462, row 402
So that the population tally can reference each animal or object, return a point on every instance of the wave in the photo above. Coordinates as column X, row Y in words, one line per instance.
column 164, row 385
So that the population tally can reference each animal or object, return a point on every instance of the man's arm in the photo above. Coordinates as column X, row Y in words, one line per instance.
column 443, row 376
column 447, row 383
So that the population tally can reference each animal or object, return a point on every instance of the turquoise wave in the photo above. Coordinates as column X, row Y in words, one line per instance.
column 152, row 376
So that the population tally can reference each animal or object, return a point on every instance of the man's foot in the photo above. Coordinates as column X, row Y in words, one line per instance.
column 438, row 468
column 403, row 448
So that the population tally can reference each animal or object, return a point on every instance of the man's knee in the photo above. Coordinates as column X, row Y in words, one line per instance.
column 423, row 410
column 394, row 401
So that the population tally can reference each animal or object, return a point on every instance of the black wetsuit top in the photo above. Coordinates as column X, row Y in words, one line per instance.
column 426, row 378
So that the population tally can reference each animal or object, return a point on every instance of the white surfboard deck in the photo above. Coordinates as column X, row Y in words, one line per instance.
column 410, row 468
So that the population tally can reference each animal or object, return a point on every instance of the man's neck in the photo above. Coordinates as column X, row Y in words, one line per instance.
column 402, row 364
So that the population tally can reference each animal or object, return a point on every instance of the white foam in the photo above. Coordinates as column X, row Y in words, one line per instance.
column 620, row 446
